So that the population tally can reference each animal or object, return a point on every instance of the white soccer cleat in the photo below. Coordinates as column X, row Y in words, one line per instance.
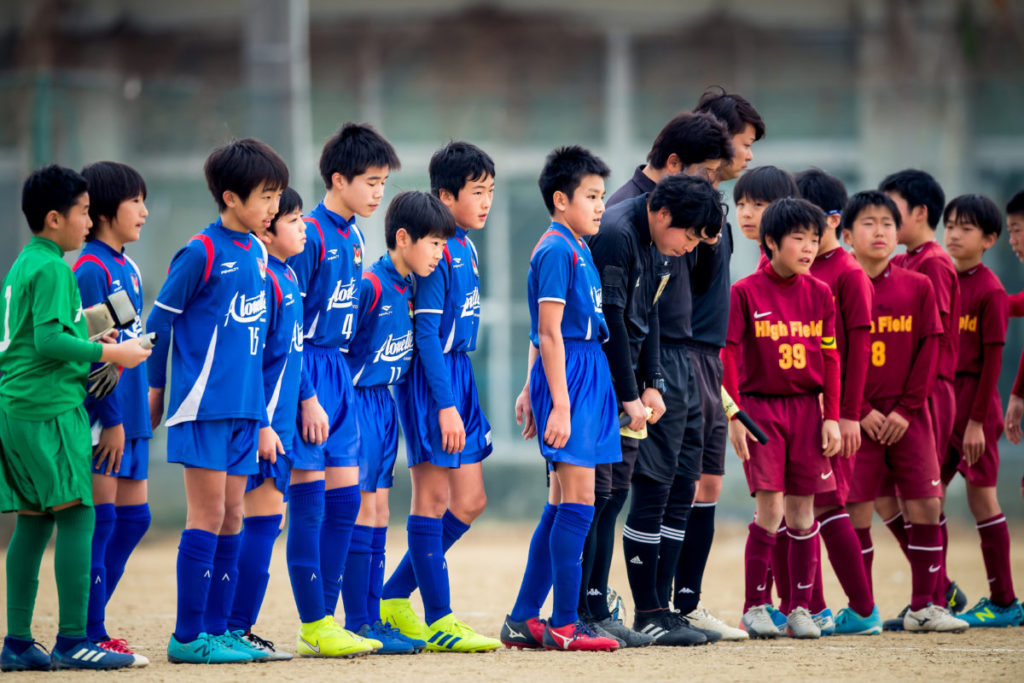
column 800, row 624
column 758, row 623
column 933, row 619
column 703, row 619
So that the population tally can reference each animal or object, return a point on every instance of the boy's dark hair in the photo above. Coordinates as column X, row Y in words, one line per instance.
column 693, row 137
column 1016, row 204
column 241, row 166
column 863, row 200
column 564, row 169
column 765, row 184
column 978, row 210
column 731, row 109
column 110, row 183
column 918, row 189
column 456, row 164
column 421, row 215
column 51, row 188
column 290, row 201
column 692, row 201
column 353, row 149
column 824, row 190
column 788, row 215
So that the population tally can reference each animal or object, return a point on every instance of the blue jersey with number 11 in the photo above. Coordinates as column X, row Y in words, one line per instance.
column 382, row 349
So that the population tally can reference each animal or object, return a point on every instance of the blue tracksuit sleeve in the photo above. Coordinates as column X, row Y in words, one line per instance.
column 428, row 308
column 92, row 284
column 190, row 269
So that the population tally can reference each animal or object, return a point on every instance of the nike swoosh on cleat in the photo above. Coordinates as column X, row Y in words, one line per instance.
column 934, row 568
column 311, row 646
column 826, row 476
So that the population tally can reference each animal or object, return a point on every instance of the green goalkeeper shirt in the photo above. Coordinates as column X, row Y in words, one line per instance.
column 44, row 347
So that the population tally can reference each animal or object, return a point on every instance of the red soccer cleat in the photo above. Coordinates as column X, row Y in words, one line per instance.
column 577, row 636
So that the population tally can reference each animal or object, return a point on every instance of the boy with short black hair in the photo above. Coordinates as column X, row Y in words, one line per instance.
column 215, row 300
column 120, row 422
column 852, row 293
column 781, row 355
column 45, row 452
column 755, row 191
column 354, row 165
column 416, row 227
column 446, row 432
column 973, row 224
column 920, row 199
column 709, row 279
column 899, row 441
column 568, row 399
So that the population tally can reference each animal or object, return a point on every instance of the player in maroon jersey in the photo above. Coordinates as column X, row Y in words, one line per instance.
column 1015, row 405
column 899, row 440
column 852, row 293
column 920, row 199
column 973, row 224
column 780, row 356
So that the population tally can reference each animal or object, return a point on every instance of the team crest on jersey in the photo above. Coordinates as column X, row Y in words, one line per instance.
column 357, row 256
column 263, row 268
column 410, row 309
column 135, row 283
column 476, row 271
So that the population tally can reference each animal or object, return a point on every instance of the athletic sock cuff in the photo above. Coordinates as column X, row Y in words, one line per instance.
column 345, row 495
column 426, row 526
column 575, row 516
column 105, row 513
column 380, row 539
column 453, row 526
column 362, row 539
column 263, row 524
column 198, row 545
column 307, row 492
column 135, row 513
column 991, row 521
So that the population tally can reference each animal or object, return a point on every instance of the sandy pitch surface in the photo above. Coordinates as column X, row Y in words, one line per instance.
column 485, row 569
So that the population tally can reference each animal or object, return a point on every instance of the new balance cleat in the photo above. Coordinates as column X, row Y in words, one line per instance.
column 264, row 646
column 703, row 619
column 618, row 630
column 933, row 619
column 390, row 644
column 203, row 650
column 758, row 623
column 778, row 618
column 400, row 614
column 849, row 623
column 325, row 638
column 522, row 635
column 120, row 645
column 800, row 624
column 956, row 601
column 23, row 655
column 987, row 614
column 711, row 635
column 448, row 634
column 896, row 624
column 84, row 654
column 233, row 641
column 825, row 622
column 577, row 636
column 667, row 630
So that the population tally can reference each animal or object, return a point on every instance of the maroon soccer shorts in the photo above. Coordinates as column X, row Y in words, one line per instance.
column 942, row 406
column 985, row 472
column 791, row 461
column 843, row 469
column 910, row 463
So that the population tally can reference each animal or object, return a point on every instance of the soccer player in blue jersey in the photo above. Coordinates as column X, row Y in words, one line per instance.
column 284, row 387
column 215, row 301
column 447, row 435
column 120, row 422
column 416, row 228
column 568, row 399
column 354, row 164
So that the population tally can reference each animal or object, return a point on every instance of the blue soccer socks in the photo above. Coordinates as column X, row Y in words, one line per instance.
column 426, row 551
column 403, row 580
column 131, row 525
column 257, row 546
column 377, row 552
column 222, row 585
column 568, row 533
column 341, row 507
column 105, row 519
column 305, row 518
column 537, row 577
column 195, row 569
column 355, row 584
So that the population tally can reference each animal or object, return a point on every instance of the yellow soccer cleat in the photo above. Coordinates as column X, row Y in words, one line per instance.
column 448, row 634
column 400, row 614
column 325, row 638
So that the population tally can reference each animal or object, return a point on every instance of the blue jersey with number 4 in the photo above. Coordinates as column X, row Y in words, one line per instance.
column 215, row 297
column 562, row 270
column 382, row 349
column 328, row 272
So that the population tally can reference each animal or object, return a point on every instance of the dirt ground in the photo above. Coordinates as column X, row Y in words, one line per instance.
column 485, row 569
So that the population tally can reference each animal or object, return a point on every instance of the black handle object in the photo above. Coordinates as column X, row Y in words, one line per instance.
column 732, row 410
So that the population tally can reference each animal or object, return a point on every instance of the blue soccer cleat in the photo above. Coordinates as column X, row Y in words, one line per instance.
column 987, row 614
column 849, row 623
column 23, row 655
column 84, row 654
column 825, row 622
column 778, row 618
column 391, row 639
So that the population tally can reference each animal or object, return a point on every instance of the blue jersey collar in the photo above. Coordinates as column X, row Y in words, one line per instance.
column 338, row 220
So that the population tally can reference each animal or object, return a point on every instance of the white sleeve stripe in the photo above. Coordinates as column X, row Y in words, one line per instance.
column 551, row 298
column 167, row 308
column 429, row 310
